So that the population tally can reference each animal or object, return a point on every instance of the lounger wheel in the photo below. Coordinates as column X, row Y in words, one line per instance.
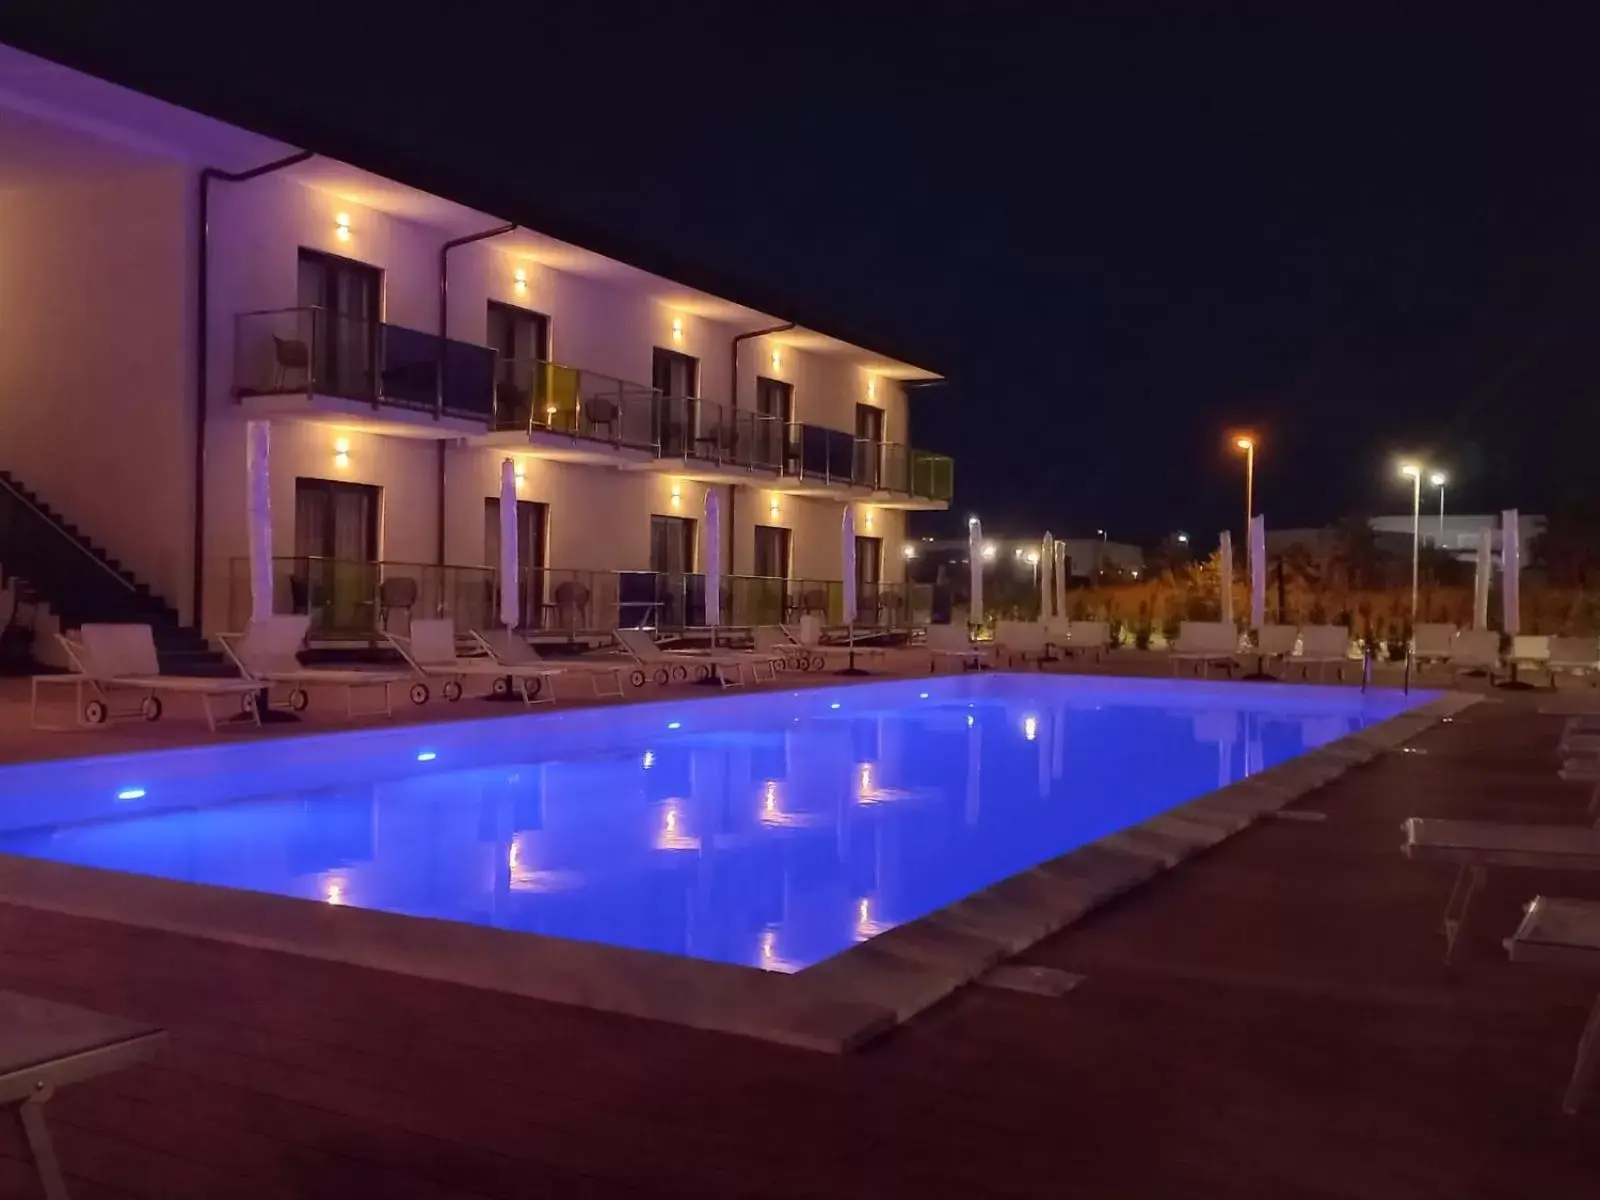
column 452, row 690
column 679, row 674
column 150, row 708
column 247, row 704
column 662, row 677
column 636, row 678
column 702, row 671
column 818, row 662
column 532, row 687
column 419, row 693
column 299, row 699
column 500, row 687
column 95, row 712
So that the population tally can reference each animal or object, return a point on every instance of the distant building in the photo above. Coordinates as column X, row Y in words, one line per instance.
column 1459, row 534
column 934, row 561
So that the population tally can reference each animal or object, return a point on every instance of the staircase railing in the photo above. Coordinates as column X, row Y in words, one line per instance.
column 18, row 501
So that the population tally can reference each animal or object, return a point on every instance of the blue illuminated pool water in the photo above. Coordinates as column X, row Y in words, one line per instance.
column 771, row 829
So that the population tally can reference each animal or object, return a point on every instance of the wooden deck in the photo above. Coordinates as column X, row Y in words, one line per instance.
column 1272, row 1019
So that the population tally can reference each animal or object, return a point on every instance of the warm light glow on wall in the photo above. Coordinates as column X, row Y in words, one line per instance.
column 773, row 508
column 341, row 452
column 869, row 518
column 777, row 361
column 341, row 226
column 872, row 388
column 520, row 471
column 677, row 495
column 519, row 281
column 677, row 329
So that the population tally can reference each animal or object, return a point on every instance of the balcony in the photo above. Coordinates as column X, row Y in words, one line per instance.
column 361, row 374
column 829, row 462
column 706, row 441
column 572, row 414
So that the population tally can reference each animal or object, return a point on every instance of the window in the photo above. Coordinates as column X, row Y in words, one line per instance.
column 679, row 598
column 676, row 379
column 520, row 340
column 334, row 576
column 672, row 545
column 347, row 299
column 772, row 552
column 518, row 334
column 532, row 518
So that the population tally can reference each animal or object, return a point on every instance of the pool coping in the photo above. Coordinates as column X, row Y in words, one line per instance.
column 836, row 1005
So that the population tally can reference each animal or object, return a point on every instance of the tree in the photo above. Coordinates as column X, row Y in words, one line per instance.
column 1356, row 557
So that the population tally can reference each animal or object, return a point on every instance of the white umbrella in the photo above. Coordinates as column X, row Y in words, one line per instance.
column 1046, row 576
column 258, row 515
column 1510, row 568
column 848, row 532
column 975, row 557
column 1225, row 575
column 1061, row 579
column 1258, row 571
column 1480, row 581
column 713, row 559
column 508, row 544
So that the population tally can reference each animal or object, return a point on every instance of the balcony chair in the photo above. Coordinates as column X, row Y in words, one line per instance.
column 599, row 412
column 289, row 354
column 396, row 594
column 571, row 605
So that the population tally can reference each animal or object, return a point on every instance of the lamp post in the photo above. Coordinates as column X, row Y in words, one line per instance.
column 1439, row 479
column 1100, row 567
column 1413, row 472
column 1247, row 443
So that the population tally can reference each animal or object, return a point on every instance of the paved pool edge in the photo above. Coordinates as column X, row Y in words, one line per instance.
column 836, row 1005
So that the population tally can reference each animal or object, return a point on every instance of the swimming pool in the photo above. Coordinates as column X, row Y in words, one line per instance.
column 771, row 830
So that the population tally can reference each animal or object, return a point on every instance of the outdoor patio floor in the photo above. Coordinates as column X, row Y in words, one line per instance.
column 1274, row 1018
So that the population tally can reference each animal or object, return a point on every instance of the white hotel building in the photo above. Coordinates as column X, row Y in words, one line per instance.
column 166, row 277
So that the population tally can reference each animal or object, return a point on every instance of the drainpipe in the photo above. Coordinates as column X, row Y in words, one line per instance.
column 438, row 376
column 733, row 405
column 202, row 356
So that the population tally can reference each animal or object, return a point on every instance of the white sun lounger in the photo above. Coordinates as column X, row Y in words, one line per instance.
column 113, row 660
column 265, row 654
column 45, row 1046
column 1573, row 656
column 1277, row 642
column 1021, row 640
column 1204, row 643
column 1475, row 846
column 1089, row 637
column 805, row 648
column 1474, row 650
column 1321, row 645
column 667, row 665
column 1432, row 643
column 952, row 642
column 509, row 650
column 1565, row 933
column 431, row 652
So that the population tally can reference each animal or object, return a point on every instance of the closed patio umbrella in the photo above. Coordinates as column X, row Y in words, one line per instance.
column 1258, row 571
column 975, row 559
column 1061, row 579
column 713, row 569
column 1047, row 567
column 848, row 557
column 1225, row 575
column 258, row 514
column 1480, row 581
column 1510, row 569
column 508, row 544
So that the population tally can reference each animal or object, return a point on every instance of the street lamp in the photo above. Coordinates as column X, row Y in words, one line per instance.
column 1247, row 443
column 1413, row 472
column 1439, row 479
column 1183, row 539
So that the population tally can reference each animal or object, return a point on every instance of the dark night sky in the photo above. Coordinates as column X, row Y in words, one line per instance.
column 1119, row 229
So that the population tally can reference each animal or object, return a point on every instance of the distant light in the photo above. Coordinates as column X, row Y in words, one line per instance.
column 1244, row 443
column 1438, row 479
column 649, row 759
column 970, row 720
column 1183, row 538
column 835, row 704
column 1410, row 470
column 674, row 724
column 909, row 550
column 427, row 756
column 1033, row 557
column 131, row 794
column 922, row 695
column 989, row 551
column 1030, row 727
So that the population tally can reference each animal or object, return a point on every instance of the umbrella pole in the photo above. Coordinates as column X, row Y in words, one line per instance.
column 852, row 669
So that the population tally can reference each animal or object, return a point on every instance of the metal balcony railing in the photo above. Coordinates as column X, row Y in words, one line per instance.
column 314, row 351
column 699, row 430
column 547, row 397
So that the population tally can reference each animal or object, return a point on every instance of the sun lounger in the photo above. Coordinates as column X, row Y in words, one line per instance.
column 1475, row 846
column 1432, row 643
column 1204, row 643
column 1474, row 650
column 668, row 665
column 1020, row 640
column 1573, row 656
column 1277, row 643
column 1321, row 645
column 952, row 642
column 1565, row 933
column 45, row 1046
column 509, row 650
column 109, row 661
column 265, row 654
column 804, row 646
column 1089, row 638
column 430, row 649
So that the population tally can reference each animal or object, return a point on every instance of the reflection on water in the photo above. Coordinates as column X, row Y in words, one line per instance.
column 776, row 834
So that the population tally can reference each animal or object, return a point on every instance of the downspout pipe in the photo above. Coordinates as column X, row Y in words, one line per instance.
column 202, row 355
column 438, row 375
column 733, row 405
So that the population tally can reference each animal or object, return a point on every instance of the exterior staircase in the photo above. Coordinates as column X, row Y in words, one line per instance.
column 81, row 583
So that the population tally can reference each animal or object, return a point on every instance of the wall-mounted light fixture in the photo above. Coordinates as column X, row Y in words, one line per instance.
column 341, row 226
column 341, row 452
column 773, row 508
column 909, row 550
column 777, row 361
column 519, row 281
column 869, row 518
column 872, row 388
column 677, row 329
column 520, row 471
column 677, row 495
